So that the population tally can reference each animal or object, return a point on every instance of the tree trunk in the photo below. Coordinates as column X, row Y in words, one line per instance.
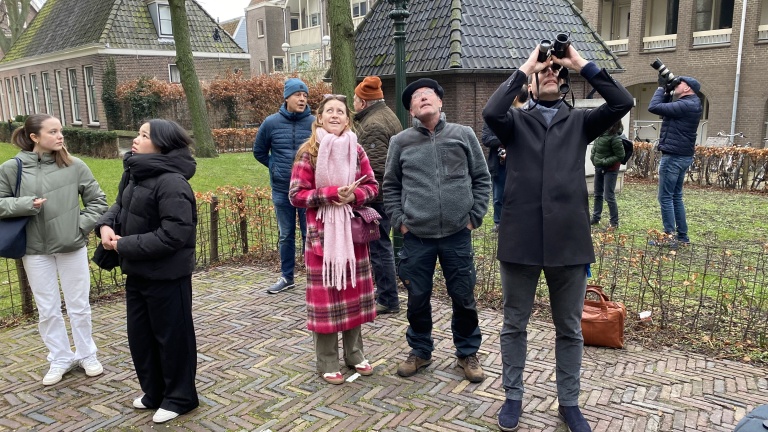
column 204, row 146
column 16, row 17
column 342, row 68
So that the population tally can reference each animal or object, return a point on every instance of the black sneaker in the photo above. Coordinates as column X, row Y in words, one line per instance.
column 594, row 221
column 281, row 285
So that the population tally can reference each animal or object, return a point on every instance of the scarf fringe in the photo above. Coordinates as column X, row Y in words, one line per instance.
column 334, row 267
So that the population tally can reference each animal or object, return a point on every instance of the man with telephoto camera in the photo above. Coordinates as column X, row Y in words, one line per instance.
column 545, row 215
column 679, row 106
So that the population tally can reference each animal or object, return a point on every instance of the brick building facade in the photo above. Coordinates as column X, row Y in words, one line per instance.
column 63, row 77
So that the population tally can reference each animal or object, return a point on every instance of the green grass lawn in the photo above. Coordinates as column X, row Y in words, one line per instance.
column 231, row 169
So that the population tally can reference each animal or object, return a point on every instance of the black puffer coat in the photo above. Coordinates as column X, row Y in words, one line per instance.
column 156, row 216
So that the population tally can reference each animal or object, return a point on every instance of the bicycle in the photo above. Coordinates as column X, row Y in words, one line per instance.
column 758, row 180
column 725, row 169
column 696, row 170
column 641, row 160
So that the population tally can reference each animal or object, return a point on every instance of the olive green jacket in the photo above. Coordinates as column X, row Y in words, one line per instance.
column 60, row 225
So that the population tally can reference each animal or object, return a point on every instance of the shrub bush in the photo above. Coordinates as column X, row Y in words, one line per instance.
column 96, row 143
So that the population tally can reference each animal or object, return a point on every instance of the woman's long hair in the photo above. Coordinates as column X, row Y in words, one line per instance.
column 33, row 125
column 311, row 145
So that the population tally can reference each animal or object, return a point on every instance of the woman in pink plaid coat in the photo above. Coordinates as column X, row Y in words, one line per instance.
column 330, row 177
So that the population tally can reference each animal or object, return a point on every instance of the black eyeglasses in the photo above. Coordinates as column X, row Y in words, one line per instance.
column 340, row 97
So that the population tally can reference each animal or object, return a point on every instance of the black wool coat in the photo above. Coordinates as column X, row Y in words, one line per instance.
column 545, row 211
column 156, row 216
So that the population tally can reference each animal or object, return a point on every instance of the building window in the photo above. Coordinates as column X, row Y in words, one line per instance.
column 25, row 93
column 73, row 99
column 713, row 15
column 359, row 9
column 90, row 94
column 164, row 14
column 47, row 93
column 2, row 104
column 11, row 112
column 17, row 92
column 295, row 21
column 314, row 19
column 262, row 67
column 260, row 28
column 35, row 93
column 301, row 61
column 173, row 74
column 60, row 95
column 278, row 64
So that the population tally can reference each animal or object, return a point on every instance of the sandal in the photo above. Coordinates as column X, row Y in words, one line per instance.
column 334, row 378
column 364, row 368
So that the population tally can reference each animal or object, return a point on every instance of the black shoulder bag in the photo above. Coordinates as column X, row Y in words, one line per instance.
column 13, row 230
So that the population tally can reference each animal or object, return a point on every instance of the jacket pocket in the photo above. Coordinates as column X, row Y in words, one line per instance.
column 454, row 162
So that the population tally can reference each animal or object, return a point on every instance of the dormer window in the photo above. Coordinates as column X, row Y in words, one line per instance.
column 161, row 17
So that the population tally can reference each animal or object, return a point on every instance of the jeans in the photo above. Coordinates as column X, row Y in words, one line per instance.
column 672, row 170
column 44, row 273
column 498, row 180
column 416, row 269
column 286, row 223
column 567, row 286
column 383, row 262
column 605, row 186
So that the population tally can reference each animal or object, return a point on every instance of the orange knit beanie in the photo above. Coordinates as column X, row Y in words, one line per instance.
column 369, row 89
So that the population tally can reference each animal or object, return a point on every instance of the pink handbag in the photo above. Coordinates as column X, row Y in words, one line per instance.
column 365, row 225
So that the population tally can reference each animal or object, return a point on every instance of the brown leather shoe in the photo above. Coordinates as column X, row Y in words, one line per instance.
column 411, row 365
column 472, row 370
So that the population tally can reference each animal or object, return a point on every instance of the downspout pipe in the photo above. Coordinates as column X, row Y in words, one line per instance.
column 738, row 70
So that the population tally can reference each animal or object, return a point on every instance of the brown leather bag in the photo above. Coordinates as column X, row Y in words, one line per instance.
column 602, row 322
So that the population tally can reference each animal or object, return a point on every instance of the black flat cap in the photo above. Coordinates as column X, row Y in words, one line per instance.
column 419, row 83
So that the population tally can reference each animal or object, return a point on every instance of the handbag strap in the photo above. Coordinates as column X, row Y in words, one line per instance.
column 599, row 291
column 18, row 176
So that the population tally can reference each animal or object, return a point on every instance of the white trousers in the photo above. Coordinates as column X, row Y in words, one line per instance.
column 44, row 273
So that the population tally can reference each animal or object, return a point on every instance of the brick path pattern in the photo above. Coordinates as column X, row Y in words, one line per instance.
column 256, row 372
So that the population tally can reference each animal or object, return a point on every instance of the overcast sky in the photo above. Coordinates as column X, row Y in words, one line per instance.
column 224, row 9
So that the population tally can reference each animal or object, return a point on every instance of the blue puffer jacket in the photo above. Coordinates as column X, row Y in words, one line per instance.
column 276, row 143
column 680, row 122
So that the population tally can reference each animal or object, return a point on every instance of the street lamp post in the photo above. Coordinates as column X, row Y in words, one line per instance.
column 286, row 47
column 325, row 41
column 398, row 14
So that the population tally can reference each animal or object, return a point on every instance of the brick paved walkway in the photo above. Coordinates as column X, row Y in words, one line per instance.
column 256, row 372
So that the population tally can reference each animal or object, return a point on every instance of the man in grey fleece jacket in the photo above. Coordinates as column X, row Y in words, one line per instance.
column 436, row 190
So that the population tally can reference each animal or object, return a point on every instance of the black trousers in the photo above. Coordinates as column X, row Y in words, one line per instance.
column 161, row 337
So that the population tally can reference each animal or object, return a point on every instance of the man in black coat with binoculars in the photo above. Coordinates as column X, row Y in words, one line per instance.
column 545, row 216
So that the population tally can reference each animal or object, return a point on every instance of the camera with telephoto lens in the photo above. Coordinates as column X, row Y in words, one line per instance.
column 672, row 80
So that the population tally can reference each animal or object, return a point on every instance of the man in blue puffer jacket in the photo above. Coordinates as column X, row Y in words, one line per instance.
column 680, row 114
column 276, row 143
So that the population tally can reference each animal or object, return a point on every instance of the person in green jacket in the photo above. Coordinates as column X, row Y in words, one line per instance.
column 63, row 201
column 607, row 154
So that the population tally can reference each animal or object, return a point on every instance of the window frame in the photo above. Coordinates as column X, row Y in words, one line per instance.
column 74, row 100
column 260, row 28
column 160, row 27
column 60, row 96
column 44, row 78
column 90, row 95
column 281, row 59
column 34, row 90
column 17, row 93
column 170, row 73
column 9, row 91
column 25, row 94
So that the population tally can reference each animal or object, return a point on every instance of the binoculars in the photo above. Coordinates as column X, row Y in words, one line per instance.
column 558, row 49
column 664, row 72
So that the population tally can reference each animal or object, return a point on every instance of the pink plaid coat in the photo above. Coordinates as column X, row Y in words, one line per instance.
column 328, row 309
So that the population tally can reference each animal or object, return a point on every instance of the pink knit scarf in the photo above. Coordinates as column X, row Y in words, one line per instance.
column 336, row 166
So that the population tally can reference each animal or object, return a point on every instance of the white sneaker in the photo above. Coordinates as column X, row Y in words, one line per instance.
column 55, row 374
column 91, row 366
column 162, row 416
column 138, row 404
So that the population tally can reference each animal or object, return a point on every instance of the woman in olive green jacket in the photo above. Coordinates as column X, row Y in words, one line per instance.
column 53, row 185
column 607, row 153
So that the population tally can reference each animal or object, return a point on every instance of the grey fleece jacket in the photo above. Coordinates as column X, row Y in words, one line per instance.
column 436, row 183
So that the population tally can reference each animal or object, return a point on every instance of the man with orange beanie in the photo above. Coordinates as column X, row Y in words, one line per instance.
column 376, row 124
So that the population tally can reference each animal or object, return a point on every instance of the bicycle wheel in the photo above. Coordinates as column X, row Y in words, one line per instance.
column 758, row 181
column 711, row 171
column 694, row 171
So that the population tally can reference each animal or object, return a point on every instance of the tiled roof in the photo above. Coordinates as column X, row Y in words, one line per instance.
column 67, row 24
column 473, row 34
column 231, row 25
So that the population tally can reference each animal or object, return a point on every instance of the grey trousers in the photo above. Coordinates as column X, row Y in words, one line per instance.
column 567, row 286
column 327, row 349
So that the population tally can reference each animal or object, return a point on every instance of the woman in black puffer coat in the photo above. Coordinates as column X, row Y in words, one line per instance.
column 152, row 227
